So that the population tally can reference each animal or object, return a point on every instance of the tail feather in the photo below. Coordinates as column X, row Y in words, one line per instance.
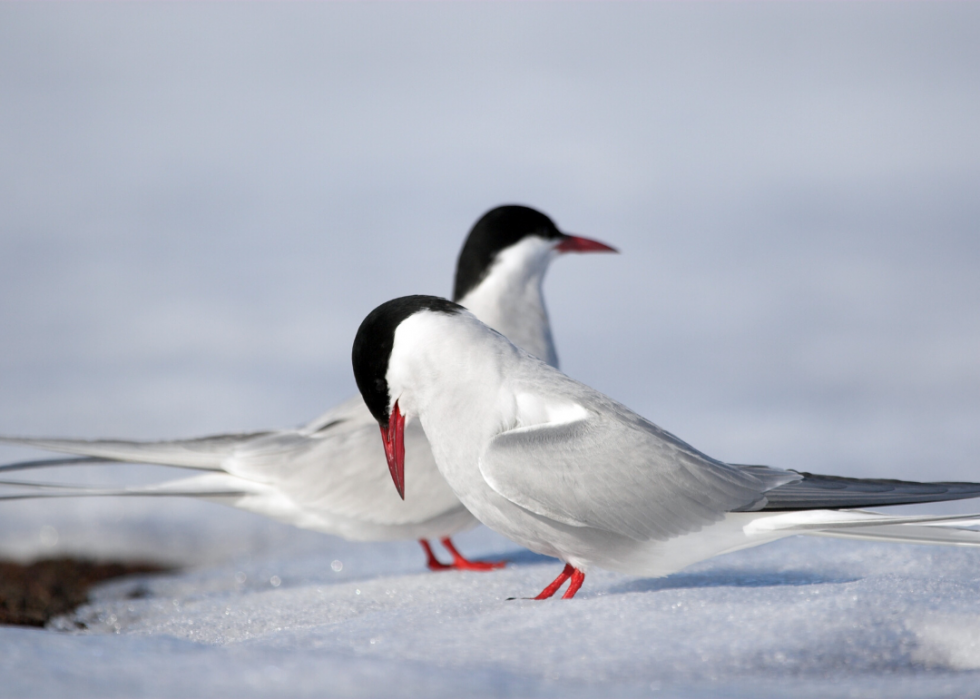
column 822, row 521
column 910, row 534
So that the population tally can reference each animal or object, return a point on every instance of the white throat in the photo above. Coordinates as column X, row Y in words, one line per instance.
column 432, row 350
column 510, row 300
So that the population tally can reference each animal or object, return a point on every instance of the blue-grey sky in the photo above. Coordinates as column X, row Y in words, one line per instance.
column 201, row 201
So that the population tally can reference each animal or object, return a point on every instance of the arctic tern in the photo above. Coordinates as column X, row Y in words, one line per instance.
column 330, row 474
column 568, row 472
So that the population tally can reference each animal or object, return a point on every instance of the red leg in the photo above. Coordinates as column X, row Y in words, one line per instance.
column 578, row 577
column 559, row 581
column 432, row 561
column 461, row 563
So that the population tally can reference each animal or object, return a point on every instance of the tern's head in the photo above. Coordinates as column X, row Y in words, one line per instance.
column 516, row 241
column 371, row 357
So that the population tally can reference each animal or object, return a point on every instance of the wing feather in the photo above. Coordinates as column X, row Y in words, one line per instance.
column 814, row 491
column 616, row 471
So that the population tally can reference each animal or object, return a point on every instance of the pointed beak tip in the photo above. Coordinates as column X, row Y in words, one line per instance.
column 394, row 444
column 575, row 243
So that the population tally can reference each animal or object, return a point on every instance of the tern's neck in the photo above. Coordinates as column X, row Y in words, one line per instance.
column 510, row 300
column 450, row 372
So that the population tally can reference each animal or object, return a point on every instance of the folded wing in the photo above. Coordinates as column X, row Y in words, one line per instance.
column 615, row 471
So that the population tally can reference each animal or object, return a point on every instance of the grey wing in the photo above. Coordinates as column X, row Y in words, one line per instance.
column 210, row 453
column 340, row 468
column 617, row 472
column 205, row 453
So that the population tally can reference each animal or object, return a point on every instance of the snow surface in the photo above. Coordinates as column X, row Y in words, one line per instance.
column 311, row 615
column 200, row 202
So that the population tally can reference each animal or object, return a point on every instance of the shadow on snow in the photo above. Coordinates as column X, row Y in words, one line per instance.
column 732, row 578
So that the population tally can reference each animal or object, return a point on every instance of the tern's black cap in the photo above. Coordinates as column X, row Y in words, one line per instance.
column 497, row 230
column 375, row 340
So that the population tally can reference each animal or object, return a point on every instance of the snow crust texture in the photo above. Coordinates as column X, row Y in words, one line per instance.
column 311, row 615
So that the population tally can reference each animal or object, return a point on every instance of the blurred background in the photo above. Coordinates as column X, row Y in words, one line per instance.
column 200, row 202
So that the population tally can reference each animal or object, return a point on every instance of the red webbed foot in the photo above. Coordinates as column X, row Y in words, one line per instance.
column 459, row 561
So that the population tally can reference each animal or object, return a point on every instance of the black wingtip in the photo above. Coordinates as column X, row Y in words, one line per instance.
column 818, row 492
column 64, row 461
